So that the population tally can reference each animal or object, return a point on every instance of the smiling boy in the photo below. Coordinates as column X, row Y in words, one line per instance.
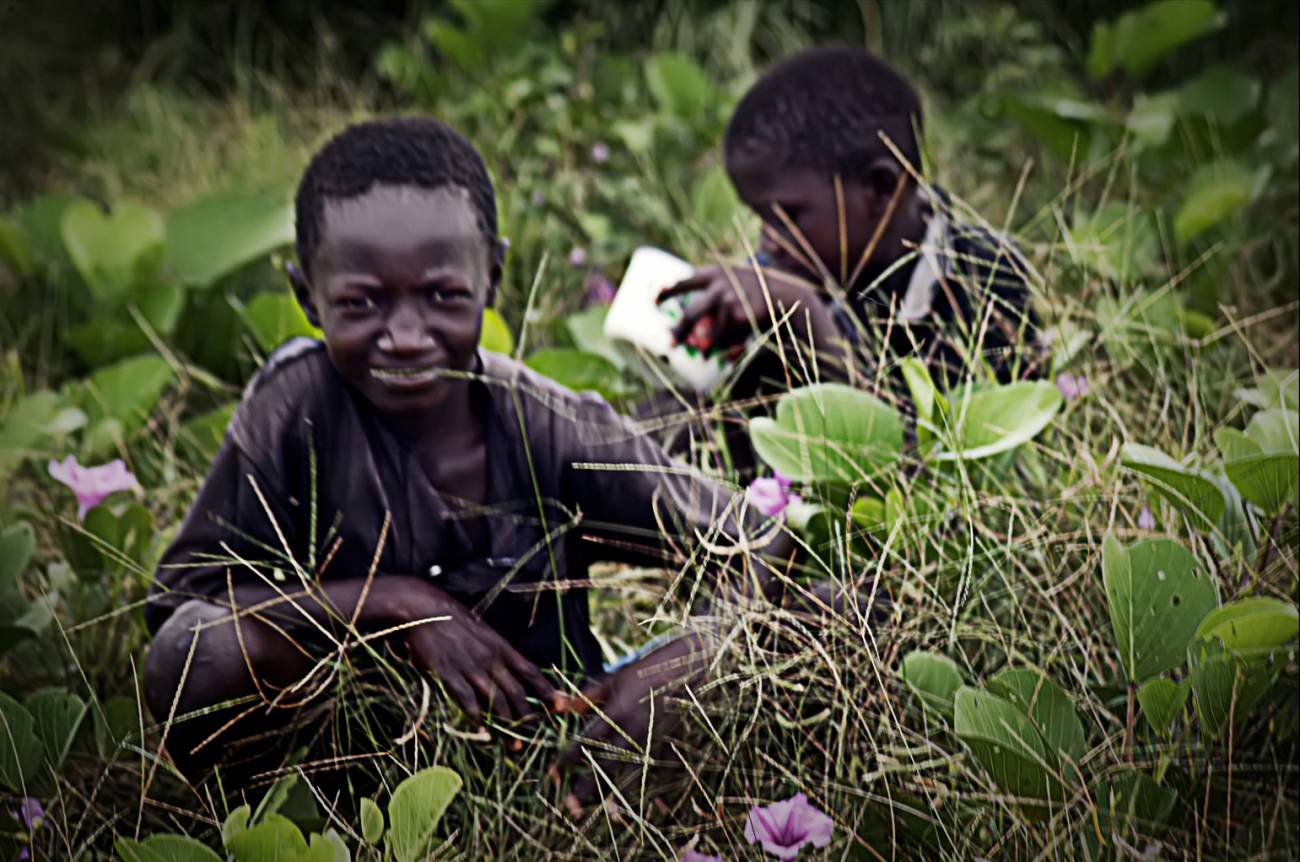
column 870, row 264
column 399, row 481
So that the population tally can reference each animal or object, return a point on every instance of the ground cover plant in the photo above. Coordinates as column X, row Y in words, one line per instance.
column 1089, row 644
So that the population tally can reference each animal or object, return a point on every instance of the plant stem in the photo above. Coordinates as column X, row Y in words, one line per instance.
column 1130, row 721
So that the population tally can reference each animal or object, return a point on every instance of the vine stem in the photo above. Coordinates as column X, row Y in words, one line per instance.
column 1131, row 720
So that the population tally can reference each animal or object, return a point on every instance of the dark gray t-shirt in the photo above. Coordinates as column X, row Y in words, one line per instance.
column 308, row 470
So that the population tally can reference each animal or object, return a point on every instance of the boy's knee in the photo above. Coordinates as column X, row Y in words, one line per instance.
column 174, row 655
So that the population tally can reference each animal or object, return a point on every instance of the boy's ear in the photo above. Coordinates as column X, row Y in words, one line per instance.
column 302, row 292
column 881, row 180
column 496, row 268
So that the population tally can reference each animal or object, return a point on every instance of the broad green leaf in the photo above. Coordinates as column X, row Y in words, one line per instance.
column 204, row 433
column 925, row 397
column 1221, row 93
column 829, row 432
column 934, row 679
column 127, row 390
column 274, row 839
column 57, row 713
column 329, row 847
column 21, row 750
column 372, row 821
column 27, row 422
column 41, row 219
column 235, row 824
column 274, row 318
column 1275, row 431
column 17, row 543
column 587, row 328
column 496, row 334
column 1228, row 685
column 1131, row 802
column 417, row 805
column 1277, row 387
column 713, row 202
column 218, row 234
column 1116, row 242
column 1215, row 192
column 1157, row 595
column 990, row 421
column 1006, row 744
column 118, row 723
column 679, row 86
column 1263, row 463
column 579, row 371
column 165, row 848
column 1196, row 495
column 1252, row 625
column 1137, row 40
column 1152, row 118
column 103, row 339
column 112, row 251
column 1066, row 126
column 1047, row 705
column 1162, row 701
column 15, row 253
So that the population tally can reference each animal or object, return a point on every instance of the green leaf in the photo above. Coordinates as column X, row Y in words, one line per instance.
column 1228, row 685
column 1275, row 431
column 1117, row 242
column 925, row 397
column 218, row 234
column 372, row 821
column 1266, row 479
column 1283, row 110
column 235, row 824
column 116, row 724
column 934, row 679
column 587, row 328
column 679, row 86
column 17, row 543
column 1252, row 625
column 112, row 251
column 1006, row 744
column 1131, row 801
column 127, row 390
column 829, row 432
column 496, row 334
column 1197, row 496
column 165, row 848
column 1157, row 595
column 274, row 318
column 275, row 839
column 713, row 203
column 417, row 805
column 1162, row 701
column 1152, row 118
column 990, row 421
column 1221, row 93
column 15, row 253
column 1137, row 40
column 1276, row 387
column 579, row 371
column 1065, row 126
column 1047, row 705
column 57, row 713
column 329, row 847
column 203, row 434
column 21, row 750
column 1215, row 192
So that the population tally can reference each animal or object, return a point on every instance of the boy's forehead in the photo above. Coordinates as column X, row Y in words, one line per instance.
column 409, row 212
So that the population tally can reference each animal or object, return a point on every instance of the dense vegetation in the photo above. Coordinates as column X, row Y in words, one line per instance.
column 1090, row 649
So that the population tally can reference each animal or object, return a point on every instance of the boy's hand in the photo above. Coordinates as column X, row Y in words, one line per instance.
column 732, row 304
column 631, row 710
column 477, row 666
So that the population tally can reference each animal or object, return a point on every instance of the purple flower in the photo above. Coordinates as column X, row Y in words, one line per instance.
column 783, row 828
column 92, row 484
column 1071, row 386
column 599, row 153
column 771, row 496
column 694, row 855
column 578, row 256
column 598, row 290
column 1146, row 520
column 30, row 813
column 537, row 199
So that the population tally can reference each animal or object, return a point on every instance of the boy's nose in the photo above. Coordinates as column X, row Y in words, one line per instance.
column 406, row 333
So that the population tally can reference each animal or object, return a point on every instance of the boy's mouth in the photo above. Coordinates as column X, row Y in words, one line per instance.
column 405, row 378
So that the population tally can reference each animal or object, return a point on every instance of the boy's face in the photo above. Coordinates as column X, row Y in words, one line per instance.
column 808, row 199
column 398, row 283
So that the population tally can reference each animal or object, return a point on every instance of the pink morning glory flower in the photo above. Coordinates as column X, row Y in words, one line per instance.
column 578, row 256
column 1072, row 386
column 694, row 855
column 783, row 828
column 771, row 496
column 92, row 484
column 1146, row 520
column 599, row 153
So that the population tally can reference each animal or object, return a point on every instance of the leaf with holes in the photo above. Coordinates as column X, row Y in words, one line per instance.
column 1048, row 707
column 989, row 421
column 1157, row 594
column 934, row 679
column 1162, row 701
column 829, row 432
column 1194, row 494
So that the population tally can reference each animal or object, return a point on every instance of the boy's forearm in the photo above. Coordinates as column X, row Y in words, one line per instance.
column 369, row 604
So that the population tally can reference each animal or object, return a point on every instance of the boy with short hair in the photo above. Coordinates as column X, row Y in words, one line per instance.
column 397, row 481
column 871, row 264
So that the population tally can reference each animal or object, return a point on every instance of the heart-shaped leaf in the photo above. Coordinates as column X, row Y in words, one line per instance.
column 1007, row 745
column 1157, row 595
column 989, row 421
column 1162, row 701
column 1215, row 192
column 1228, row 685
column 57, row 713
column 113, row 251
column 1196, row 495
column 934, row 679
column 275, row 838
column 214, row 236
column 1251, row 625
column 128, row 390
column 581, row 372
column 417, row 805
column 1047, row 705
column 829, row 432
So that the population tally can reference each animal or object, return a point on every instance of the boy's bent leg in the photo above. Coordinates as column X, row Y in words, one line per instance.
column 198, row 661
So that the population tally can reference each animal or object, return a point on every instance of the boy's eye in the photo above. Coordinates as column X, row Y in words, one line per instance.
column 355, row 303
column 446, row 293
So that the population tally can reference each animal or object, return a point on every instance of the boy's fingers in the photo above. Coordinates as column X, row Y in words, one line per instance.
column 687, row 285
column 512, row 691
column 490, row 696
column 532, row 677
column 463, row 694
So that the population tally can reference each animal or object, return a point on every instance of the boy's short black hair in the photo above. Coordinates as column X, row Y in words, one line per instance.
column 824, row 109
column 399, row 151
